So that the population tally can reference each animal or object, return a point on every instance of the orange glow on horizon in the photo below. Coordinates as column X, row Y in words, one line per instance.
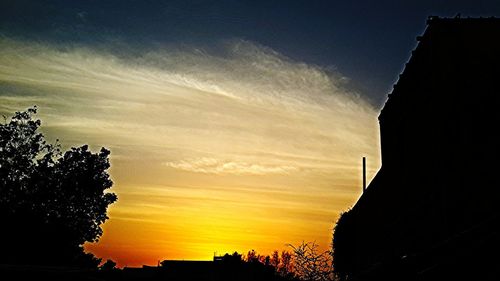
column 241, row 150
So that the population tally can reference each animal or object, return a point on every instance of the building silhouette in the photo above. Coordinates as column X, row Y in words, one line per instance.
column 432, row 210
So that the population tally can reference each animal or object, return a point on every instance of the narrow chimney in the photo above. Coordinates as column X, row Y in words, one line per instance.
column 364, row 174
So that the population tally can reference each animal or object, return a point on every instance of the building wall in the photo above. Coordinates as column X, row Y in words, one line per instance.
column 439, row 137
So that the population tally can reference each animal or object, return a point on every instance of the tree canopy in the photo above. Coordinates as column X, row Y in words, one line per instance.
column 51, row 202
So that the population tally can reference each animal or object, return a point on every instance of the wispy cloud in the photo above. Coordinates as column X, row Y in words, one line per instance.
column 212, row 165
column 220, row 119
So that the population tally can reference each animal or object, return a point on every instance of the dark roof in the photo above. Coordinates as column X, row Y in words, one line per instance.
column 482, row 36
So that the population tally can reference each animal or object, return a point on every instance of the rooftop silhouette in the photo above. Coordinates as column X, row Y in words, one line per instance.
column 432, row 211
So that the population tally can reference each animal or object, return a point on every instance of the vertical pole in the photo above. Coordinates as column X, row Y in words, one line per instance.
column 364, row 174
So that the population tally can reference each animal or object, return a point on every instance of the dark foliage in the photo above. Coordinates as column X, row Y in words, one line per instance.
column 108, row 265
column 50, row 202
column 341, row 244
column 311, row 264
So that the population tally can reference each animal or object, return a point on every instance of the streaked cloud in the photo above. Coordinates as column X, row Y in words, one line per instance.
column 212, row 165
column 215, row 131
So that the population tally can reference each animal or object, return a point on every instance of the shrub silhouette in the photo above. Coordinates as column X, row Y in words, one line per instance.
column 342, row 244
column 50, row 203
column 109, row 265
column 311, row 264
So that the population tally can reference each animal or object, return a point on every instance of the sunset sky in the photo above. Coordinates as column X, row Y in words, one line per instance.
column 232, row 125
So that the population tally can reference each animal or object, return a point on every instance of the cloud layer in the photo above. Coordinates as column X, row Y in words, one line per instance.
column 203, row 124
column 212, row 165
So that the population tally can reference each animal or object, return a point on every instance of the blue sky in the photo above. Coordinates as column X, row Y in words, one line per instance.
column 367, row 41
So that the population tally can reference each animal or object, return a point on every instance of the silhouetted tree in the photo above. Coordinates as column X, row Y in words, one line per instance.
column 267, row 260
column 285, row 268
column 342, row 242
column 252, row 256
column 109, row 265
column 235, row 258
column 275, row 260
column 310, row 264
column 50, row 203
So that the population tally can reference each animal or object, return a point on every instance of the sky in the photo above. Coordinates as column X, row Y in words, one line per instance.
column 233, row 125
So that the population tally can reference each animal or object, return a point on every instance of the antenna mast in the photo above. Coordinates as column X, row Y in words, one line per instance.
column 364, row 174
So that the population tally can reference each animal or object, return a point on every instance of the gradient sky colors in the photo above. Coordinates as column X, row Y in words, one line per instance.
column 241, row 150
column 245, row 138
